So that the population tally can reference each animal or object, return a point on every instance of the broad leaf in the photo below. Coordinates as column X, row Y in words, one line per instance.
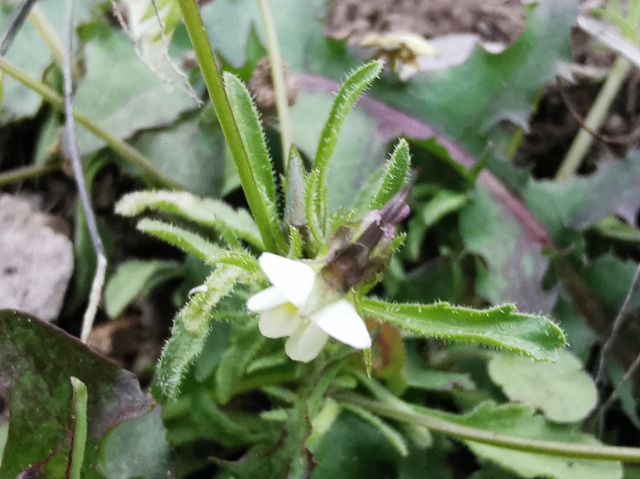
column 563, row 391
column 191, row 152
column 520, row 421
column 135, row 278
column 126, row 103
column 501, row 327
column 579, row 202
column 489, row 88
column 204, row 211
column 36, row 362
column 136, row 448
column 514, row 271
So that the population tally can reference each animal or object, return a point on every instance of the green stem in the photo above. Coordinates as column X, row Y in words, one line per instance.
column 80, row 427
column 550, row 448
column 47, row 33
column 213, row 80
column 278, row 80
column 26, row 173
column 125, row 150
column 598, row 113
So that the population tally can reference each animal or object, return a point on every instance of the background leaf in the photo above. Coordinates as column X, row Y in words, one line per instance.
column 563, row 391
column 520, row 421
column 36, row 362
column 135, row 278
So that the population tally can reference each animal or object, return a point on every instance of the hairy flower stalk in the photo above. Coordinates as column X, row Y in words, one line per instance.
column 309, row 306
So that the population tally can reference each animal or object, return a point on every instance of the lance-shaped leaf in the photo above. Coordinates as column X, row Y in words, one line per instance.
column 191, row 328
column 258, row 182
column 37, row 361
column 386, row 181
column 502, row 327
column 193, row 243
column 345, row 100
column 204, row 211
column 136, row 278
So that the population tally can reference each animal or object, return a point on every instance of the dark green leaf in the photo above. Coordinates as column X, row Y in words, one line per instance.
column 36, row 362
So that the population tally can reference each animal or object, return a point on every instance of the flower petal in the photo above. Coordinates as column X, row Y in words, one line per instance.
column 280, row 321
column 341, row 321
column 266, row 299
column 293, row 278
column 305, row 343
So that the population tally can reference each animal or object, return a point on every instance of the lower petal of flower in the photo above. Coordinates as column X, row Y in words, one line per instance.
column 280, row 321
column 341, row 321
column 305, row 343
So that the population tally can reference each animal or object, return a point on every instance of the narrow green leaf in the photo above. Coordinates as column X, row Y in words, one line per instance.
column 136, row 278
column 191, row 328
column 390, row 434
column 80, row 427
column 443, row 203
column 394, row 175
column 193, row 243
column 294, row 208
column 310, row 201
column 345, row 100
column 233, row 364
column 205, row 211
column 253, row 140
column 501, row 327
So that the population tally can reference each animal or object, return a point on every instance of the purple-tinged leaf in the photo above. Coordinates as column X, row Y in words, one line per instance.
column 36, row 363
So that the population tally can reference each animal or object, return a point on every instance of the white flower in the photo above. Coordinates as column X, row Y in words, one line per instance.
column 287, row 309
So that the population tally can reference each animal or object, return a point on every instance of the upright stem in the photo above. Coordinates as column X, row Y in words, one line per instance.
column 213, row 80
column 278, row 80
column 583, row 141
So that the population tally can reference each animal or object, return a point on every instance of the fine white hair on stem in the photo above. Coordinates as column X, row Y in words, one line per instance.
column 71, row 147
column 184, row 83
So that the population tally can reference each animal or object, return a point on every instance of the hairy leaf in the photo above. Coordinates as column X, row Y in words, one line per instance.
column 502, row 327
column 259, row 182
column 204, row 211
column 191, row 328
column 345, row 100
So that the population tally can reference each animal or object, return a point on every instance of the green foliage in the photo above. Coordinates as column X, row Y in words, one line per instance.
column 501, row 327
column 140, row 91
column 43, row 359
column 562, row 390
column 190, row 329
column 136, row 448
column 204, row 211
column 346, row 98
column 135, row 278
column 259, row 182
column 521, row 421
